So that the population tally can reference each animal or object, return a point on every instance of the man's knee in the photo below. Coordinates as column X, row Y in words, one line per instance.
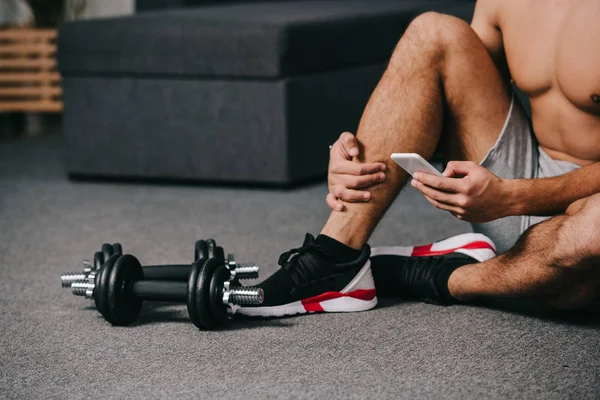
column 578, row 239
column 435, row 31
column 589, row 216
column 577, row 206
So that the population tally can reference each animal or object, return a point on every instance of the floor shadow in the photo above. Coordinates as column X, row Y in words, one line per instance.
column 153, row 313
column 242, row 324
column 387, row 302
column 157, row 312
column 161, row 316
column 585, row 318
column 589, row 317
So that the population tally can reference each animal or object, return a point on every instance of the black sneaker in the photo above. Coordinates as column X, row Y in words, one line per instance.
column 422, row 272
column 307, row 282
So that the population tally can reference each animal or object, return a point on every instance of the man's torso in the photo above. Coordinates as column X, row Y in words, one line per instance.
column 553, row 53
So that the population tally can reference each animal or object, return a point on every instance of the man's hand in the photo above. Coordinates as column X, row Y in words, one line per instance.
column 467, row 190
column 347, row 178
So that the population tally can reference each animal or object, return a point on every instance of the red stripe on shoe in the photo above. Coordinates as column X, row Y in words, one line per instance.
column 422, row 251
column 313, row 304
column 313, row 307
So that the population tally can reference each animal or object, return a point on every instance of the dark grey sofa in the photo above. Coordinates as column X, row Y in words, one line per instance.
column 249, row 93
column 151, row 5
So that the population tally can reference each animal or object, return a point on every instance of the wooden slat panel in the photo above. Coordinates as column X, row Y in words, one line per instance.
column 28, row 63
column 25, row 49
column 28, row 106
column 27, row 34
column 30, row 91
column 28, row 80
column 31, row 77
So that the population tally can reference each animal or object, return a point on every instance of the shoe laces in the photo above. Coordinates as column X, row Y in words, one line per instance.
column 303, row 269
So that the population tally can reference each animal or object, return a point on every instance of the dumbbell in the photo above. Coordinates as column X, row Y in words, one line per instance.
column 210, row 292
column 86, row 279
column 175, row 272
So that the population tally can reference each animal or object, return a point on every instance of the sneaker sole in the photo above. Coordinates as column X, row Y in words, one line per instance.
column 475, row 245
column 358, row 295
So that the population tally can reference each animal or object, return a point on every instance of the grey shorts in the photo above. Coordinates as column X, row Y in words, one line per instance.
column 516, row 155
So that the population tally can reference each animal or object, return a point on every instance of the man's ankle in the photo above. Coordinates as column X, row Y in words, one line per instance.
column 350, row 240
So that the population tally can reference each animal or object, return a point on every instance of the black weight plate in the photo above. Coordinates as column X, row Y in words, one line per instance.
column 220, row 254
column 203, row 312
column 200, row 250
column 99, row 277
column 107, row 250
column 212, row 248
column 98, row 260
column 101, row 288
column 99, row 274
column 217, row 308
column 191, row 290
column 117, row 248
column 123, row 305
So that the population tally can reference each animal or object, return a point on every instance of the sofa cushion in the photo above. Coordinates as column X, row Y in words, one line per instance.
column 267, row 39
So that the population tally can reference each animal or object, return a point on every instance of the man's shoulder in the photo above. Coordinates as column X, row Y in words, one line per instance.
column 493, row 10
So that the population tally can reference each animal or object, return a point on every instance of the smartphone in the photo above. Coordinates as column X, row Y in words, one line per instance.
column 412, row 162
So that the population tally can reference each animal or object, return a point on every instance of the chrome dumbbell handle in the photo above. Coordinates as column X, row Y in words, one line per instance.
column 66, row 280
column 241, row 271
column 83, row 288
column 242, row 296
column 246, row 296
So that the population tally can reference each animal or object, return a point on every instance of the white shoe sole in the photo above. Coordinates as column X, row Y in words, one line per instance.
column 358, row 295
column 474, row 245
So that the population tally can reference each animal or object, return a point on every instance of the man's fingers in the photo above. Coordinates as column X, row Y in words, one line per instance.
column 459, row 168
column 456, row 211
column 354, row 168
column 334, row 203
column 361, row 181
column 350, row 195
column 435, row 194
column 349, row 143
column 439, row 182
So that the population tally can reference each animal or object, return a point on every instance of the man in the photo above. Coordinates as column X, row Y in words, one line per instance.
column 533, row 188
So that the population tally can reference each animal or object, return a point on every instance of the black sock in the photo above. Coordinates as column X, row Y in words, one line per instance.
column 441, row 280
column 339, row 252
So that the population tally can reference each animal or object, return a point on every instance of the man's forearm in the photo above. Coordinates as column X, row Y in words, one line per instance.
column 551, row 196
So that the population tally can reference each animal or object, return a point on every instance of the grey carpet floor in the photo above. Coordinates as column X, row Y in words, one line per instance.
column 54, row 345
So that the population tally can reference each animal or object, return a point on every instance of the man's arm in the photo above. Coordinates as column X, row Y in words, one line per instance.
column 480, row 196
column 486, row 24
column 551, row 196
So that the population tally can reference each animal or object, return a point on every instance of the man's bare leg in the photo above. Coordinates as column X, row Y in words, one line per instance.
column 557, row 261
column 440, row 81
